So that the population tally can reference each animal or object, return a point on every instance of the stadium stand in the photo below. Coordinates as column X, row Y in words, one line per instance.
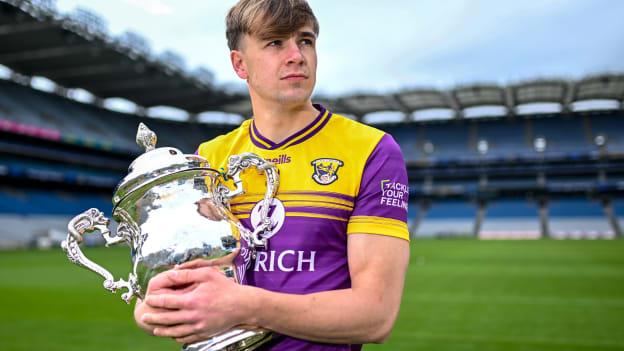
column 618, row 209
column 447, row 139
column 611, row 128
column 36, row 216
column 512, row 176
column 513, row 183
column 571, row 139
column 447, row 218
column 511, row 218
column 90, row 125
column 504, row 138
column 81, row 149
column 406, row 137
column 577, row 218
column 412, row 216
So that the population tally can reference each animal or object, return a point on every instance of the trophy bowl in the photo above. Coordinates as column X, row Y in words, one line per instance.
column 173, row 208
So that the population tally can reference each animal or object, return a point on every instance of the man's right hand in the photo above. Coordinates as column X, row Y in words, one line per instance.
column 141, row 308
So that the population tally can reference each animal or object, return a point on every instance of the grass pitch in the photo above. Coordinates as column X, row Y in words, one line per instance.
column 459, row 295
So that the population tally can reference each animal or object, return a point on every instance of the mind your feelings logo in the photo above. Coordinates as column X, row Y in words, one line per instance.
column 326, row 170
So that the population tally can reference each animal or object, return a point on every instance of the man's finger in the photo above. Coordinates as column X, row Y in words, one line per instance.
column 168, row 318
column 200, row 262
column 178, row 331
column 164, row 280
column 181, row 277
column 173, row 278
column 167, row 301
column 190, row 339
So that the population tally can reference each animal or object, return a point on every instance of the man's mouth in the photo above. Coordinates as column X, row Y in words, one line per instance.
column 295, row 77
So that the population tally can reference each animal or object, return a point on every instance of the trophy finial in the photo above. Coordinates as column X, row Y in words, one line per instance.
column 146, row 138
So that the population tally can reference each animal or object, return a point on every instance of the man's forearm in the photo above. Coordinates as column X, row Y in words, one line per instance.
column 364, row 313
column 339, row 316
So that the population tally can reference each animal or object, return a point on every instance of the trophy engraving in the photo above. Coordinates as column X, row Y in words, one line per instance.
column 172, row 208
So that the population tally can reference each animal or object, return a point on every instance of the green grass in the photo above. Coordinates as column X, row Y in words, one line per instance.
column 50, row 304
column 515, row 295
column 459, row 295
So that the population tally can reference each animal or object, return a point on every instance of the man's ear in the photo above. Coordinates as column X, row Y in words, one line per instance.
column 238, row 63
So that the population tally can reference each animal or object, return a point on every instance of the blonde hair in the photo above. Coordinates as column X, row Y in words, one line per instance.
column 267, row 19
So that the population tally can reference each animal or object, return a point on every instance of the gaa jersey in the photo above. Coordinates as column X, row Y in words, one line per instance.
column 337, row 177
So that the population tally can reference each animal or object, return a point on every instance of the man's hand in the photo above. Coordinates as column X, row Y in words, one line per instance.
column 141, row 308
column 193, row 304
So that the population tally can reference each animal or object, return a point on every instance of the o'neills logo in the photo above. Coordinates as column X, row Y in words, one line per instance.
column 281, row 159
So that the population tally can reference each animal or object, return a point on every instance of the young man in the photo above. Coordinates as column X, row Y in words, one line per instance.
column 333, row 273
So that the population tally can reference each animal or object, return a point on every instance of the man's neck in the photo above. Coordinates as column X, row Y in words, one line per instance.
column 278, row 122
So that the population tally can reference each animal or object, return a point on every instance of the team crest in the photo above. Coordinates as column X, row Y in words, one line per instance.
column 326, row 170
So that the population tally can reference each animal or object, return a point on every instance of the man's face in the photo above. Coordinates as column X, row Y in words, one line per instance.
column 281, row 69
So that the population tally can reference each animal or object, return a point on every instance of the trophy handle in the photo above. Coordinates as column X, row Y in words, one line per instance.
column 87, row 222
column 238, row 163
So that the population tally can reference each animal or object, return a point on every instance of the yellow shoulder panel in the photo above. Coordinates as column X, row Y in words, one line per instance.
column 356, row 141
column 357, row 132
column 217, row 150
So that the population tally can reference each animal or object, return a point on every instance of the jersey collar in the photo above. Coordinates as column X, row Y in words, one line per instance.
column 304, row 134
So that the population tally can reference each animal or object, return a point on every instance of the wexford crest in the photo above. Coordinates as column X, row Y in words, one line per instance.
column 326, row 170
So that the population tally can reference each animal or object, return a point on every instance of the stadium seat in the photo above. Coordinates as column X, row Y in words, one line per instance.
column 406, row 137
column 450, row 140
column 505, row 138
column 611, row 126
column 447, row 218
column 512, row 218
column 90, row 125
column 28, row 215
column 571, row 139
column 578, row 218
column 618, row 209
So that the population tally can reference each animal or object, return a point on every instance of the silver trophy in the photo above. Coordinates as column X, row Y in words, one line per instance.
column 173, row 208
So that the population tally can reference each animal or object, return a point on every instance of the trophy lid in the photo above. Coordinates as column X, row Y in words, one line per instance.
column 155, row 164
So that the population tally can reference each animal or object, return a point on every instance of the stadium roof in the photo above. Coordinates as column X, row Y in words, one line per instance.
column 559, row 91
column 563, row 92
column 75, row 51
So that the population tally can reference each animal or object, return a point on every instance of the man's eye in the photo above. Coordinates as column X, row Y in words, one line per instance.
column 275, row 43
column 309, row 42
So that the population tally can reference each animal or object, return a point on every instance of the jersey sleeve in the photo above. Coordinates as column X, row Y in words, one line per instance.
column 381, row 203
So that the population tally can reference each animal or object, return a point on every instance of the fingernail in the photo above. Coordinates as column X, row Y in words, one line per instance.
column 145, row 317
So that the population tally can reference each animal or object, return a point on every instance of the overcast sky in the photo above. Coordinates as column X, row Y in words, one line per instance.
column 384, row 46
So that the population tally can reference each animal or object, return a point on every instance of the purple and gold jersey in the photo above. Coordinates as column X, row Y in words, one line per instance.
column 337, row 177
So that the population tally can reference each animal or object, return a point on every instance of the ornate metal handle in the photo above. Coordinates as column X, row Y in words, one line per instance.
column 238, row 163
column 87, row 222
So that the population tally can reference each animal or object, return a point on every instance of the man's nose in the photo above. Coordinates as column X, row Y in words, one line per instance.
column 293, row 53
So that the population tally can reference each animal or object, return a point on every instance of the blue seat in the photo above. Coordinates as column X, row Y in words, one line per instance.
column 41, row 202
